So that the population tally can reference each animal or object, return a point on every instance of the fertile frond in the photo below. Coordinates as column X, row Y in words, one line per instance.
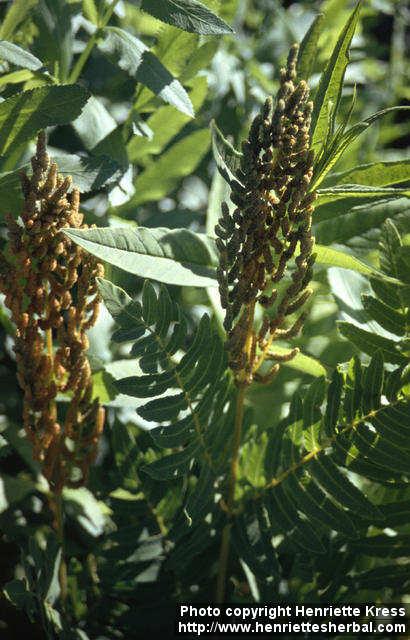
column 50, row 288
column 269, row 228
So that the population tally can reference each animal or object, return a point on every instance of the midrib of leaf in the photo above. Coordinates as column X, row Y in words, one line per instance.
column 312, row 454
column 197, row 423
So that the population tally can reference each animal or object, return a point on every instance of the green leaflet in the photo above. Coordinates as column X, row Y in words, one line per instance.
column 380, row 547
column 18, row 593
column 15, row 77
column 165, row 123
column 379, row 320
column 386, row 294
column 104, row 383
column 55, row 42
column 192, row 545
column 391, row 320
column 175, row 465
column 331, row 81
column 373, row 380
column 199, row 59
column 189, row 15
column 336, row 146
column 252, row 539
column 17, row 440
column 330, row 194
column 305, row 535
column 164, row 175
column 341, row 221
column 92, row 513
column 47, row 563
column 370, row 342
column 335, row 483
column 336, row 258
column 178, row 256
column 23, row 115
column 313, row 400
column 379, row 447
column 175, row 49
column 218, row 193
column 308, row 48
column 227, row 158
column 18, row 56
column 174, row 256
column 133, row 56
column 312, row 501
column 303, row 363
column 375, row 174
column 334, row 395
column 396, row 513
column 17, row 12
column 394, row 257
column 94, row 123
column 353, row 390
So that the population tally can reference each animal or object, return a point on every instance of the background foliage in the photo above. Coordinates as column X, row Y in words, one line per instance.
column 127, row 91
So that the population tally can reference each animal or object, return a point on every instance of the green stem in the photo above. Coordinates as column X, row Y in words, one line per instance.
column 62, row 573
column 226, row 533
column 56, row 499
column 242, row 381
column 79, row 65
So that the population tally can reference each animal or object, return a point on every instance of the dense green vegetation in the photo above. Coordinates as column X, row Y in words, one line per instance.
column 217, row 477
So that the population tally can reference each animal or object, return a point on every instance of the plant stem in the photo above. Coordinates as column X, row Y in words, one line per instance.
column 62, row 573
column 56, row 499
column 79, row 65
column 49, row 342
column 226, row 533
column 242, row 382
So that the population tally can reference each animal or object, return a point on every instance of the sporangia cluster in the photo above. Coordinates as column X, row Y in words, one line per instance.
column 269, row 229
column 50, row 288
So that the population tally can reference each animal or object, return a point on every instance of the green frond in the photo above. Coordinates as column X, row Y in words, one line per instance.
column 340, row 436
column 185, row 385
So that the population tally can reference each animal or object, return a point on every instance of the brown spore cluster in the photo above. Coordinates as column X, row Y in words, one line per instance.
column 269, row 230
column 50, row 287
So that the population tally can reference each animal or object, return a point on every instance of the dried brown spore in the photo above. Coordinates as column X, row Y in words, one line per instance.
column 50, row 287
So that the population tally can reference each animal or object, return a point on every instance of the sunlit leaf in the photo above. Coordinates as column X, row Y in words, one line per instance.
column 132, row 55
column 189, row 15
column 24, row 114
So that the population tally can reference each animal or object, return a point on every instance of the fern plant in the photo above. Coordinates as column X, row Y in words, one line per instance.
column 257, row 426
column 311, row 489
